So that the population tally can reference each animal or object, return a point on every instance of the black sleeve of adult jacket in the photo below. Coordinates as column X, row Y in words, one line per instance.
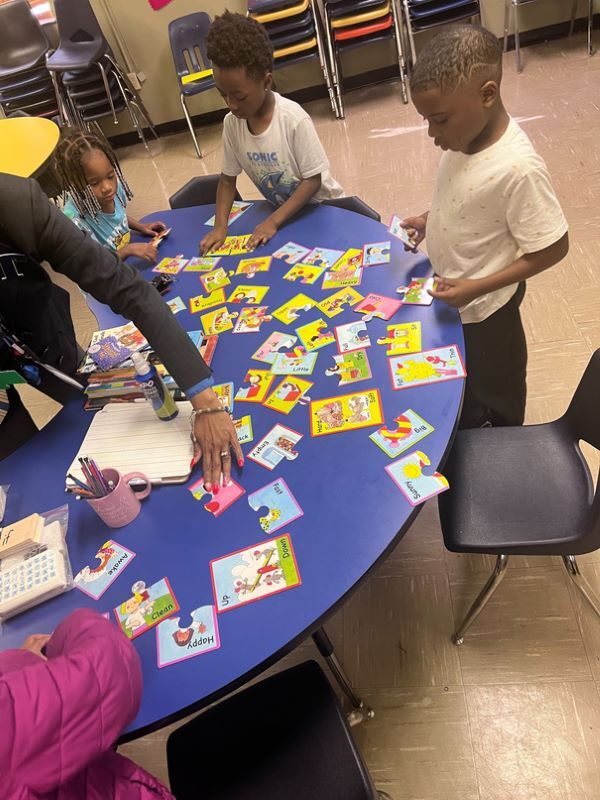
column 39, row 229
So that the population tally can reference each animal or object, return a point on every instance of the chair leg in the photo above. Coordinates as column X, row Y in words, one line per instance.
column 107, row 90
column 325, row 647
column 397, row 15
column 573, row 16
column 190, row 126
column 482, row 599
column 590, row 27
column 506, row 21
column 517, row 38
column 580, row 582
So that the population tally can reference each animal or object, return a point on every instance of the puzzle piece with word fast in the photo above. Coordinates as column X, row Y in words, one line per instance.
column 277, row 445
column 278, row 504
column 416, row 478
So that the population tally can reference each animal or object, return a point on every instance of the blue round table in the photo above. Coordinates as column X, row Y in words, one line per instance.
column 353, row 512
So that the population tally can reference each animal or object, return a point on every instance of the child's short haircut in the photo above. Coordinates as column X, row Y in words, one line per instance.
column 73, row 147
column 237, row 41
column 454, row 57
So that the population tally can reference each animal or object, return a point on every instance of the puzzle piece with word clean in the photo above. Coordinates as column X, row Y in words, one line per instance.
column 304, row 273
column 259, row 382
column 220, row 499
column 376, row 305
column 417, row 291
column 203, row 303
column 278, row 444
column 350, row 367
column 174, row 643
column 147, row 606
column 352, row 336
column 254, row 572
column 218, row 321
column 281, row 507
column 410, row 429
column 402, row 339
column 337, row 302
column 275, row 342
column 287, row 394
column 251, row 295
column 251, row 318
column 291, row 309
column 314, row 335
column 376, row 253
column 297, row 362
column 430, row 366
column 216, row 279
column 251, row 266
column 416, row 479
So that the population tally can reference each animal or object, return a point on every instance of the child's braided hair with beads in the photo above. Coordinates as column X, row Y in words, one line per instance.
column 70, row 153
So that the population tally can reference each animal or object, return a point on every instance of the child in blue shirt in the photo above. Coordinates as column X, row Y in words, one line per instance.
column 96, row 195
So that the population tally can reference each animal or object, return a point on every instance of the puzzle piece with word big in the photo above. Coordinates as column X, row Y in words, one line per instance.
column 430, row 366
column 259, row 381
column 314, row 335
column 336, row 303
column 174, row 643
column 254, row 572
column 287, row 394
column 276, row 341
column 279, row 443
column 417, row 292
column 410, row 429
column 402, row 339
column 221, row 499
column 350, row 367
column 416, row 479
column 290, row 310
column 202, row 303
column 279, row 503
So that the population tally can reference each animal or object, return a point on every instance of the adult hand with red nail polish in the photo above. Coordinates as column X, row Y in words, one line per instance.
column 215, row 441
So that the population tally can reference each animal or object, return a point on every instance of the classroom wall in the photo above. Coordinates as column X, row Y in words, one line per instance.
column 145, row 34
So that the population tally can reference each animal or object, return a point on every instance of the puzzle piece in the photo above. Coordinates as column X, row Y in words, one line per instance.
column 322, row 257
column 430, row 366
column 147, row 606
column 304, row 273
column 350, row 260
column 290, row 310
column 416, row 479
column 352, row 336
column 376, row 253
column 113, row 559
column 250, row 266
column 402, row 339
column 410, row 429
column 202, row 303
column 216, row 279
column 343, row 278
column 315, row 335
column 201, row 264
column 417, row 292
column 350, row 367
column 176, row 305
column 396, row 229
column 259, row 381
column 291, row 252
column 174, row 643
column 270, row 347
column 345, row 412
column 336, row 303
column 287, row 394
column 298, row 362
column 220, row 500
column 251, row 318
column 251, row 295
column 280, row 504
column 224, row 392
column 279, row 443
column 171, row 266
column 243, row 429
column 217, row 321
column 377, row 305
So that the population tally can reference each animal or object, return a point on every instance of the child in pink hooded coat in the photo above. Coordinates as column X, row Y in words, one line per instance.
column 61, row 715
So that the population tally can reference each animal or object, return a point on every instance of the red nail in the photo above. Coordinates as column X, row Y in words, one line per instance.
column 215, row 489
column 240, row 462
column 193, row 463
column 208, row 487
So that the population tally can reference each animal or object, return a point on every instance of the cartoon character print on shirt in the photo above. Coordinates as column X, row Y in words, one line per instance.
column 275, row 180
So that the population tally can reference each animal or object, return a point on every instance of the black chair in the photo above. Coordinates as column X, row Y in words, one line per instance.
column 526, row 491
column 200, row 191
column 285, row 737
column 354, row 204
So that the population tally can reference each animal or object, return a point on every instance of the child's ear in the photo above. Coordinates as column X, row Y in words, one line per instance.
column 268, row 81
column 489, row 93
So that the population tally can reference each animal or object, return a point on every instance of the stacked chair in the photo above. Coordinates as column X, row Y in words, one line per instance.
column 297, row 35
column 352, row 23
column 420, row 15
column 89, row 81
column 25, row 84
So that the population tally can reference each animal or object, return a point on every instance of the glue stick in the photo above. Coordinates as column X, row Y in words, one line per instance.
column 154, row 389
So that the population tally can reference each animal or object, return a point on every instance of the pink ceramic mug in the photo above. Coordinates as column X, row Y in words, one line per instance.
column 122, row 505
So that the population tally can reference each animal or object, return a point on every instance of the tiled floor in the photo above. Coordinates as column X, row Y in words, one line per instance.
column 515, row 713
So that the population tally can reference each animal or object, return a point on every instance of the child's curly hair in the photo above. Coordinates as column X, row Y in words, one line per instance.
column 237, row 41
column 73, row 147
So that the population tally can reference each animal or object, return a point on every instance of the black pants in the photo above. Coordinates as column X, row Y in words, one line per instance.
column 496, row 361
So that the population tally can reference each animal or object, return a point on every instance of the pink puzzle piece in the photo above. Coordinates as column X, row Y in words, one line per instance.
column 220, row 500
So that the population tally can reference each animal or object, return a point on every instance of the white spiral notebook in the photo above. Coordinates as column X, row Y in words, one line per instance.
column 129, row 437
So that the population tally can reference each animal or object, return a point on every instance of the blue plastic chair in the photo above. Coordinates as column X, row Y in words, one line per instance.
column 187, row 36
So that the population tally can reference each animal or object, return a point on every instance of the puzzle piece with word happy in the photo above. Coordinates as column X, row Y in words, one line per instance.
column 279, row 504
column 416, row 478
column 175, row 643
column 219, row 500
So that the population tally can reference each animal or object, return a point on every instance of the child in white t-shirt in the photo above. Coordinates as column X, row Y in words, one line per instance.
column 266, row 135
column 494, row 219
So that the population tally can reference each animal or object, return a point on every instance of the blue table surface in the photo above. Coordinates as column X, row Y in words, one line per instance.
column 353, row 512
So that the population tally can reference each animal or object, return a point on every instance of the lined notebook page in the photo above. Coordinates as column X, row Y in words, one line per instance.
column 129, row 437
